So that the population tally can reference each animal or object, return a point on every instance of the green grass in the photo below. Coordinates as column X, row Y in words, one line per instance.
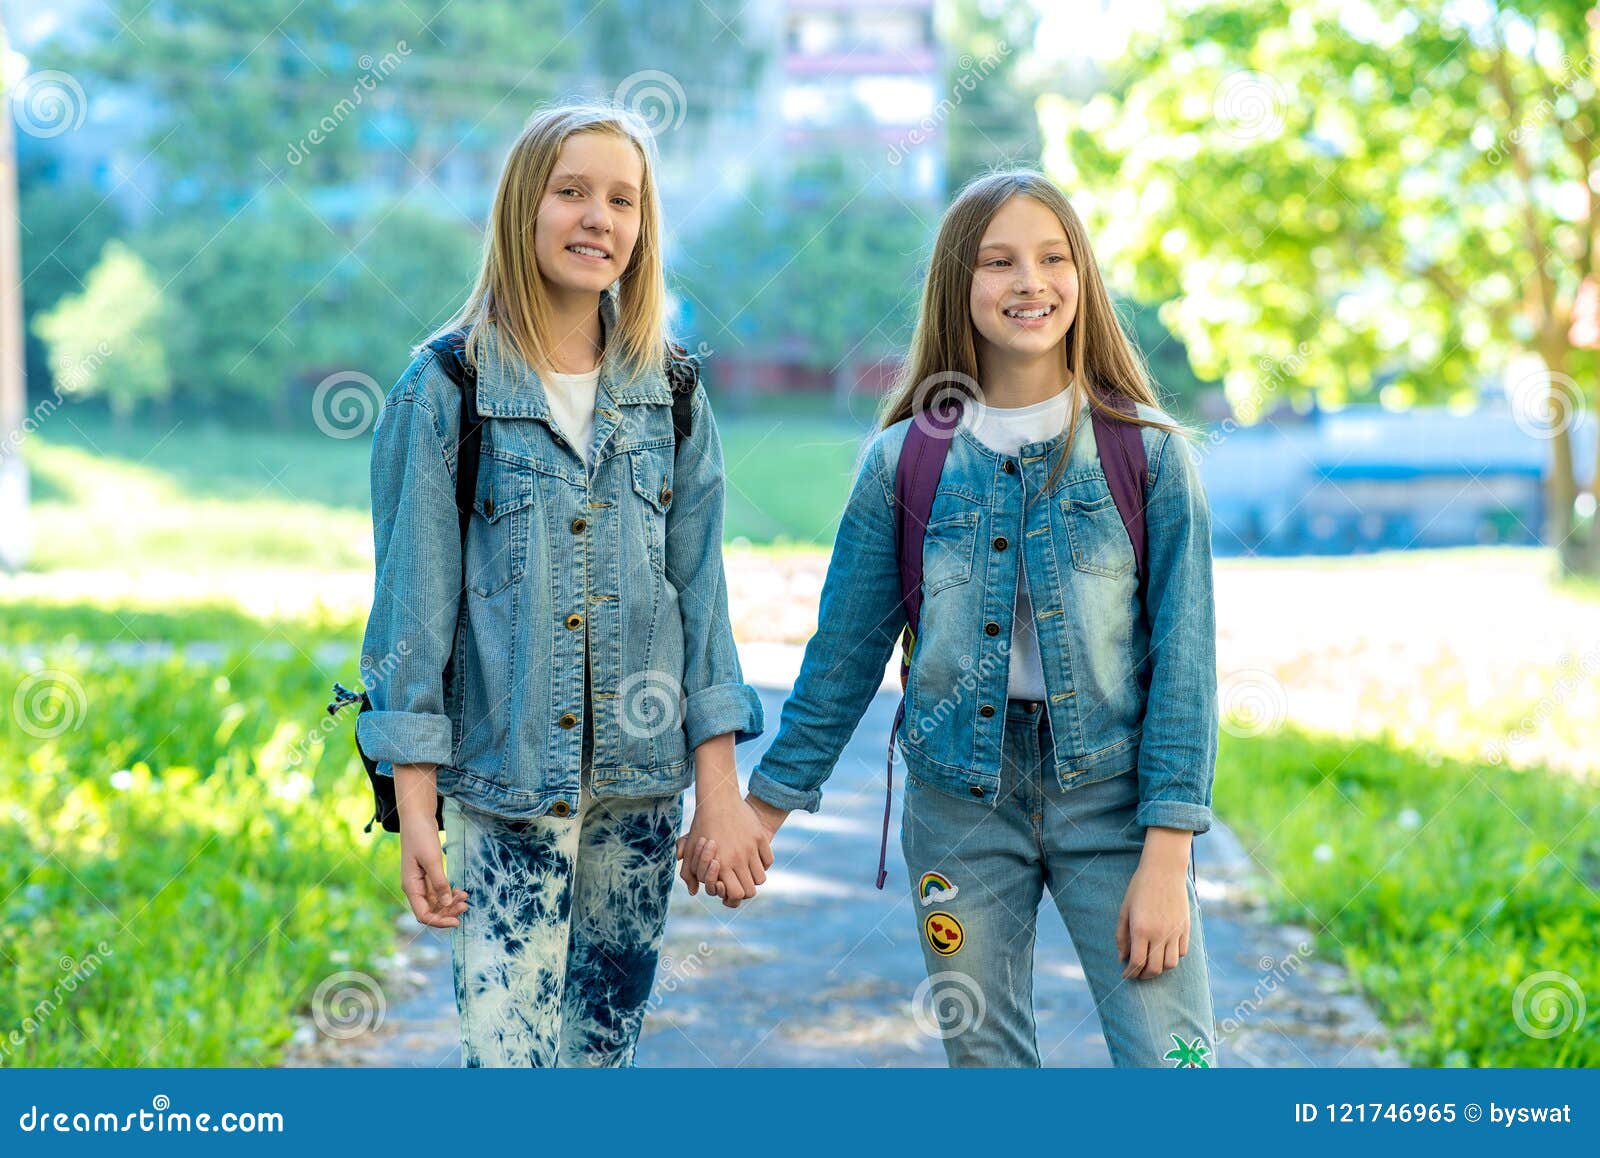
column 189, row 496
column 1443, row 886
column 181, row 861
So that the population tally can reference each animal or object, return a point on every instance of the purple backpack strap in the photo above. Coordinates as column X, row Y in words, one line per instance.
column 1121, row 449
column 916, row 479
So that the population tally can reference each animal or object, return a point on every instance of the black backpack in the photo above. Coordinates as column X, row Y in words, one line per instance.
column 683, row 373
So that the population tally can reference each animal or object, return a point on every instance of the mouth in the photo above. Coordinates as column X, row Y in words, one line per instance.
column 1028, row 314
column 589, row 252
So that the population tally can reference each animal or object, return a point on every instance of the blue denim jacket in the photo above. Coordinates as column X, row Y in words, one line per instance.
column 622, row 561
column 1127, row 692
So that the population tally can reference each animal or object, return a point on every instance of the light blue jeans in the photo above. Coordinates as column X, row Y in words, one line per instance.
column 978, row 875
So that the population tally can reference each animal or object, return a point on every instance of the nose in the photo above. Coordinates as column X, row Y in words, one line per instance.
column 1028, row 280
column 597, row 217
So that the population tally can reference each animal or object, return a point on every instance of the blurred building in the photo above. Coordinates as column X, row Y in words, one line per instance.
column 1364, row 478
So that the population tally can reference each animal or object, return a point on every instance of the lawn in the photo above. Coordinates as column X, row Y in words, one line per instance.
column 1461, row 896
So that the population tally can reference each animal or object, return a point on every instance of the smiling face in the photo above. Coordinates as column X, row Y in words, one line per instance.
column 589, row 216
column 1024, row 285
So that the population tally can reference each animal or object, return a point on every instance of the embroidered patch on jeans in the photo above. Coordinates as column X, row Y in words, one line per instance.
column 945, row 933
column 1188, row 1055
column 936, row 889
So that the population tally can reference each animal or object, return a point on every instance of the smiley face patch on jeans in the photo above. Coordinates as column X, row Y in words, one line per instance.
column 945, row 933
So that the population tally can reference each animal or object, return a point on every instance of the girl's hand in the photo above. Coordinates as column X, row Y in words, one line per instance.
column 422, row 876
column 1153, row 924
column 731, row 850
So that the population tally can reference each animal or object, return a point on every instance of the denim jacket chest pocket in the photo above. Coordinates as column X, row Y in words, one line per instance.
column 1100, row 544
column 496, row 547
column 650, row 468
column 948, row 549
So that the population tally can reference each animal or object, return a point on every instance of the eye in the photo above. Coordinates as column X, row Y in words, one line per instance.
column 997, row 261
column 623, row 201
column 570, row 189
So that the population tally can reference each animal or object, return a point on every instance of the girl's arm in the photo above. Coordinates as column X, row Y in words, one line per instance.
column 1178, row 748
column 717, row 700
column 417, row 592
column 859, row 618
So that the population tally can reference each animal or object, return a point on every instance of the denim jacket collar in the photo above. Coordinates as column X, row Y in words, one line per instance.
column 510, row 388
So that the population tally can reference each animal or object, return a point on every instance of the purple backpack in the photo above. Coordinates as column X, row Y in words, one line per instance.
column 916, row 478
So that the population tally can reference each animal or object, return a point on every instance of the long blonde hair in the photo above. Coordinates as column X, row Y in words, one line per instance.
column 943, row 358
column 510, row 290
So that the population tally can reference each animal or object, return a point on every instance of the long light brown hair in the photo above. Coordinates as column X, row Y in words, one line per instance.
column 510, row 290
column 943, row 358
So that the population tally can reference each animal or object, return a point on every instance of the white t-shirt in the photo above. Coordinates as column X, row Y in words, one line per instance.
column 1005, row 430
column 572, row 406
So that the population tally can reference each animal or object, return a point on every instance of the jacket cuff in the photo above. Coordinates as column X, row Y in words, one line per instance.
column 720, row 709
column 405, row 737
column 1173, row 814
column 764, row 787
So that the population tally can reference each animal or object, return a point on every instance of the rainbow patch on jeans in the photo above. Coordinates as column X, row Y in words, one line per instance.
column 935, row 888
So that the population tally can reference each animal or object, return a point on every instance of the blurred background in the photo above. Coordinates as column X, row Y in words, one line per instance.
column 1355, row 242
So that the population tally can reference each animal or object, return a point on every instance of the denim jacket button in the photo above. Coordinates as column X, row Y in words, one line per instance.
column 488, row 508
column 1000, row 543
column 1009, row 467
column 578, row 526
column 560, row 808
column 991, row 628
column 568, row 721
column 986, row 711
column 666, row 496
column 574, row 622
column 977, row 790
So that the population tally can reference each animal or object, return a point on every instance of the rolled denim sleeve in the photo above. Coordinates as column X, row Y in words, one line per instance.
column 417, row 584
column 859, row 617
column 1178, row 748
column 716, row 698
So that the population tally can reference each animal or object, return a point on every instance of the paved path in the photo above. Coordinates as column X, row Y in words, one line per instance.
column 822, row 968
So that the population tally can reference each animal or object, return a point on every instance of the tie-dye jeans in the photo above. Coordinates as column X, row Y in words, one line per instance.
column 978, row 875
column 555, row 957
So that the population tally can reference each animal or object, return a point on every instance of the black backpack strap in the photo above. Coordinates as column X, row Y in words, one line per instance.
column 683, row 374
column 451, row 351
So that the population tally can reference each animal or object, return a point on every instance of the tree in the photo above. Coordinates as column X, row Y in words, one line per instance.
column 824, row 274
column 108, row 341
column 64, row 229
column 324, row 93
column 282, row 296
column 992, row 121
column 1388, row 200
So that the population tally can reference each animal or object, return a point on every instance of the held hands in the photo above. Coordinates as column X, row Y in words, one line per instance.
column 1153, row 924
column 729, row 847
